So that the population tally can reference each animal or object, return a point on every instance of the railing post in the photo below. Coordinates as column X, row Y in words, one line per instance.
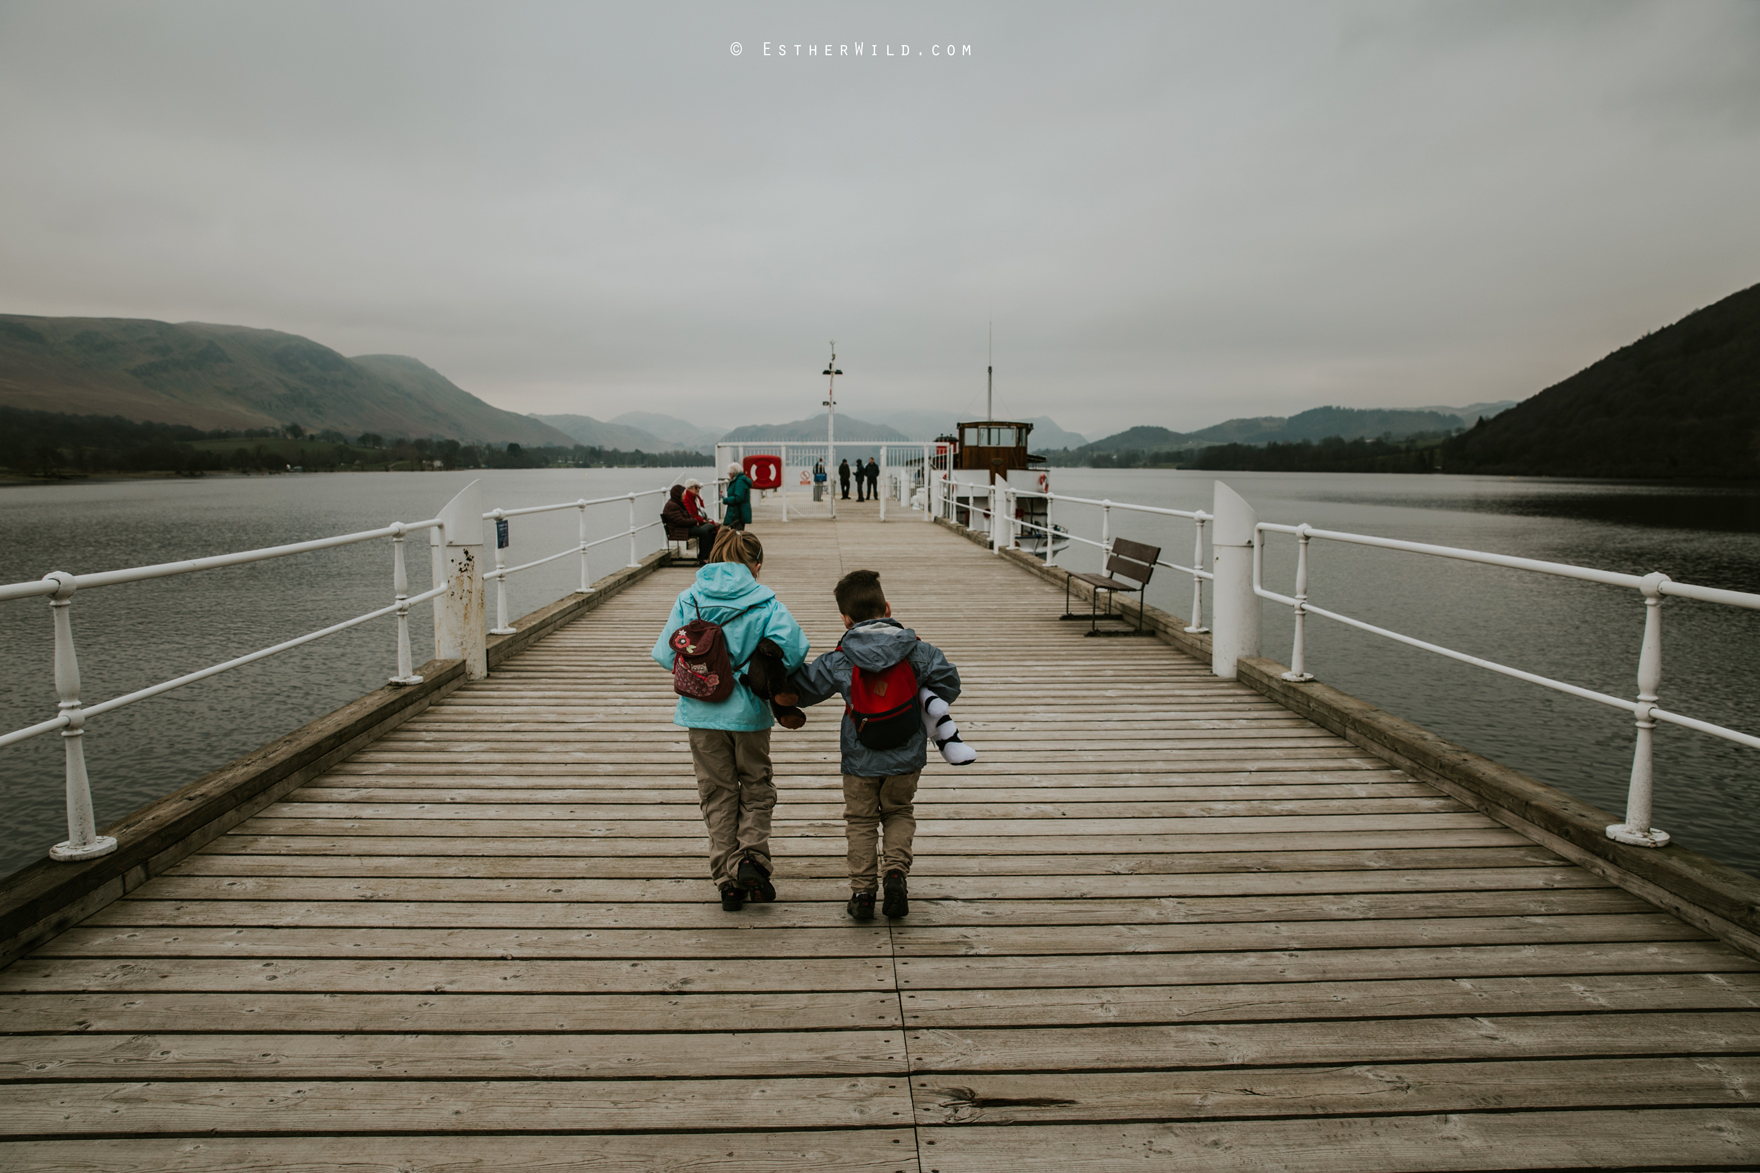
column 501, row 626
column 586, row 579
column 1234, row 607
column 1298, row 672
column 1196, row 627
column 1011, row 507
column 83, row 840
column 1105, row 532
column 458, row 614
column 633, row 560
column 1637, row 830
column 1050, row 533
column 883, row 487
column 784, row 459
column 995, row 510
column 406, row 673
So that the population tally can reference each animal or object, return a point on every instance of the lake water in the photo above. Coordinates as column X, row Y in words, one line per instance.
column 134, row 635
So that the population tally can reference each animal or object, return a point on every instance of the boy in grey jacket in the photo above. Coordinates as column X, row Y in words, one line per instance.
column 879, row 785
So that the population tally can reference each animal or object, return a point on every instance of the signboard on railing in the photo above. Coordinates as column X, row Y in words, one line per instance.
column 501, row 533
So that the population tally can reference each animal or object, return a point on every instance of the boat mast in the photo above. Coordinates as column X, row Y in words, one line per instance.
column 831, row 372
column 990, row 371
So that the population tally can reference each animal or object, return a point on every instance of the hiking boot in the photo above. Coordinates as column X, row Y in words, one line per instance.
column 896, row 903
column 756, row 882
column 733, row 898
column 861, row 906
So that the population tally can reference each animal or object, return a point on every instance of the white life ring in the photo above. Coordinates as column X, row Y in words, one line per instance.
column 1044, row 483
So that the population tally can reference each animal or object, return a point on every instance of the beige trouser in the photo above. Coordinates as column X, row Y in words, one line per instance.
column 874, row 808
column 737, row 795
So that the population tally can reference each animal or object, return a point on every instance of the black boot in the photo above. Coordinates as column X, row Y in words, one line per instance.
column 861, row 906
column 896, row 902
column 756, row 882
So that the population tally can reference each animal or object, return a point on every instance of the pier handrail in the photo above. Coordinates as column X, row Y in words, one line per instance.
column 83, row 841
column 1637, row 829
column 501, row 573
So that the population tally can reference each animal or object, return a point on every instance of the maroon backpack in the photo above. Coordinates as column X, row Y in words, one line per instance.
column 883, row 705
column 701, row 667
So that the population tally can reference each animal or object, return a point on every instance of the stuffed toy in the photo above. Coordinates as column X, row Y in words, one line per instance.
column 943, row 732
column 768, row 681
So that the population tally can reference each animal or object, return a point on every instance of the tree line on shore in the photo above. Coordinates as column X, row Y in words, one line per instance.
column 52, row 445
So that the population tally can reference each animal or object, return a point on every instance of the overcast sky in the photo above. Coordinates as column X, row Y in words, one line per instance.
column 1174, row 213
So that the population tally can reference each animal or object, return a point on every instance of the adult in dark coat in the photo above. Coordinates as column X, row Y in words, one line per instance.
column 873, row 474
column 681, row 524
column 843, row 479
column 738, row 498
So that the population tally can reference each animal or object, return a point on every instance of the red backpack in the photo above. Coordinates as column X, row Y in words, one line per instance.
column 701, row 667
column 883, row 705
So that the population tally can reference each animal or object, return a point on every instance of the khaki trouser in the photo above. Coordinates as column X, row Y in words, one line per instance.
column 876, row 809
column 737, row 795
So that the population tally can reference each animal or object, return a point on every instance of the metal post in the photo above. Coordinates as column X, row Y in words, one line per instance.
column 784, row 459
column 458, row 614
column 83, row 840
column 400, row 589
column 501, row 627
column 1050, row 533
column 633, row 560
column 1105, row 532
column 1197, row 624
column 1235, row 607
column 586, row 582
column 1637, row 830
column 882, row 485
column 1298, row 672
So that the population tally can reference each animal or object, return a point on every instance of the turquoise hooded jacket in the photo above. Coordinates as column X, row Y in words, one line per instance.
column 727, row 594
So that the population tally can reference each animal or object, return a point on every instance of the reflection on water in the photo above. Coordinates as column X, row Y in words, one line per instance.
column 131, row 636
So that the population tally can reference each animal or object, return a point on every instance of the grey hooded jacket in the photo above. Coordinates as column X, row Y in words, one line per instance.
column 876, row 644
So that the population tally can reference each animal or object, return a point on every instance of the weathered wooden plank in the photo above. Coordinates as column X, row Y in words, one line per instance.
column 1397, row 1040
column 354, row 809
column 1283, row 1001
column 1717, row 1138
column 550, row 1055
column 1344, row 964
column 873, row 1149
column 36, row 974
column 764, row 1017
column 1356, row 1090
column 197, row 885
column 700, row 915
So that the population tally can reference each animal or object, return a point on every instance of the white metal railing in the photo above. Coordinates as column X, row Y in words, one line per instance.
column 1014, row 524
column 1653, row 587
column 502, row 572
column 895, row 460
column 459, row 525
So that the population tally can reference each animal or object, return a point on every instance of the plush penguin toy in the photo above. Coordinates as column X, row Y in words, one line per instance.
column 943, row 732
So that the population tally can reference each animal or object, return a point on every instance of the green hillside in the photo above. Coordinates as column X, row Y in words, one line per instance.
column 587, row 430
column 1682, row 402
column 209, row 376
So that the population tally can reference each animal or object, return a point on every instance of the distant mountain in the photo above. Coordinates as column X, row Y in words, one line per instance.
column 676, row 432
column 584, row 429
column 1320, row 423
column 1681, row 402
column 1473, row 411
column 926, row 425
column 1142, row 438
column 813, row 429
column 212, row 376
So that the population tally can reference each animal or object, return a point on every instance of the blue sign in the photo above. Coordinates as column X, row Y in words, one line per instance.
column 501, row 533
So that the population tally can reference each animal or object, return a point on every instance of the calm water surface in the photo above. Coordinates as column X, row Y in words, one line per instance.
column 131, row 636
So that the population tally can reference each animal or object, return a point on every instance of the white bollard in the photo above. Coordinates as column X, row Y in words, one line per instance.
column 1196, row 626
column 633, row 560
column 586, row 581
column 1636, row 830
column 83, row 840
column 406, row 673
column 458, row 614
column 502, row 627
column 1234, row 607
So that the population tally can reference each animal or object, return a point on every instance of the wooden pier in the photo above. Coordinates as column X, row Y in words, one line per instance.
column 1162, row 923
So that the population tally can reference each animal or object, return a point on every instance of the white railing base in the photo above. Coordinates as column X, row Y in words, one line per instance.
column 66, row 852
column 1651, row 837
column 1197, row 631
column 412, row 678
column 505, row 630
column 1293, row 677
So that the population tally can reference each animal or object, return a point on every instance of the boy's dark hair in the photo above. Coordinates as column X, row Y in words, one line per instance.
column 859, row 595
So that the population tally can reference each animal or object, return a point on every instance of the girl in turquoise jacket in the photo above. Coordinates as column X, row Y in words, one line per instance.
column 730, row 739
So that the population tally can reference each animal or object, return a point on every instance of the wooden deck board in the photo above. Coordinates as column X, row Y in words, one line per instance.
column 1160, row 923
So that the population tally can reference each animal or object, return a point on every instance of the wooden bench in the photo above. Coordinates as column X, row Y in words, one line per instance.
column 1134, row 561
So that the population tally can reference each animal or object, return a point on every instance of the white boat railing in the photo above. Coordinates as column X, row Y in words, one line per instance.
column 59, row 587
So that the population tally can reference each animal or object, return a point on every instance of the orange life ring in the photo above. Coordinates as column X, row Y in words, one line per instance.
column 1044, row 483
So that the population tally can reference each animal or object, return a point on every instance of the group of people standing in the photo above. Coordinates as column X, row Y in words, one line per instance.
column 866, row 475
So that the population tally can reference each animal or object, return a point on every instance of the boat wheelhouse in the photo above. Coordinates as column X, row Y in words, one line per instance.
column 979, row 454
